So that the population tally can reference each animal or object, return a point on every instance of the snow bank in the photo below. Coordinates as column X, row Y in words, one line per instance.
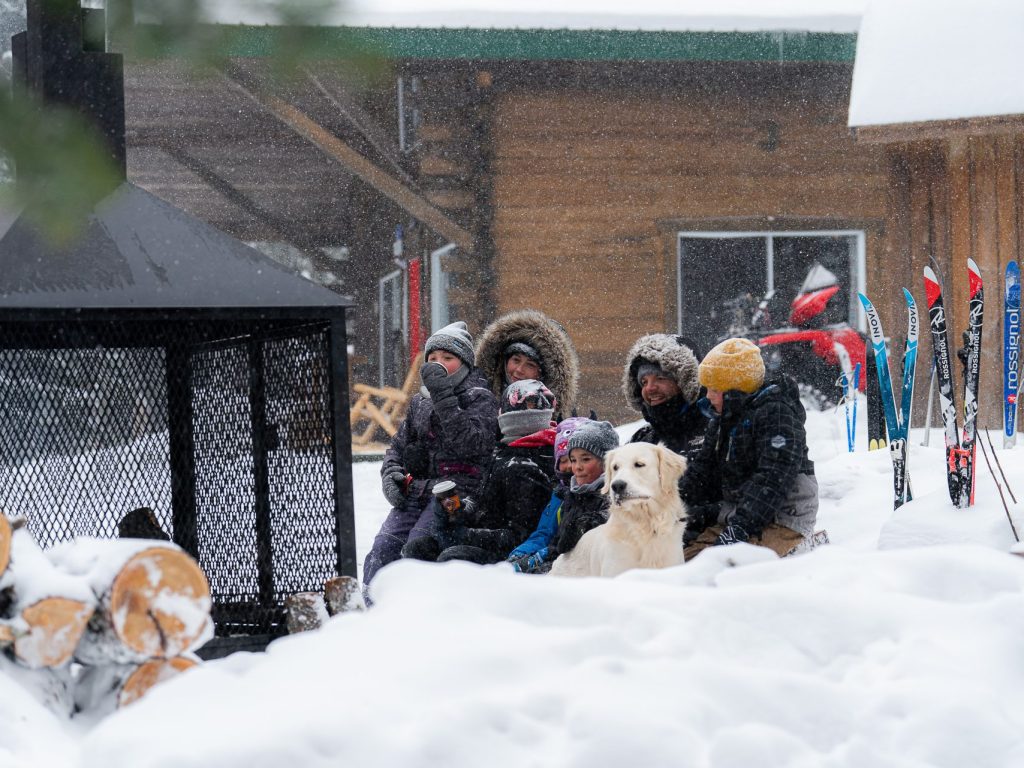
column 838, row 658
column 872, row 651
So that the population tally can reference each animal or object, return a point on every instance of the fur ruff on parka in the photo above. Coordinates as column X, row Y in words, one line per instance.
column 672, row 355
column 560, row 363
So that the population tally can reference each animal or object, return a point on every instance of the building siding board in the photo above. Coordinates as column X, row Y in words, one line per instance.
column 585, row 180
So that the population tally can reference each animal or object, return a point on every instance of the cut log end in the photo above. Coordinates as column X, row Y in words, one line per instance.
column 5, row 542
column 160, row 602
column 54, row 625
column 342, row 594
column 149, row 674
column 304, row 611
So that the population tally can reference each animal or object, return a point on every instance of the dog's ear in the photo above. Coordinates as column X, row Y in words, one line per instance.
column 671, row 467
column 608, row 459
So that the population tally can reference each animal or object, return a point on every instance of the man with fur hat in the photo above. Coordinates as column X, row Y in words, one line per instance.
column 660, row 381
column 448, row 434
column 751, row 481
column 527, row 344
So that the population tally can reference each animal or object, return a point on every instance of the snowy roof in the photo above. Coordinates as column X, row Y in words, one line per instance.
column 926, row 60
column 139, row 252
column 646, row 15
column 651, row 30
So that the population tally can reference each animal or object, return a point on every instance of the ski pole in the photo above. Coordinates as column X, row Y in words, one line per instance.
column 996, row 457
column 928, row 413
column 856, row 392
column 984, row 452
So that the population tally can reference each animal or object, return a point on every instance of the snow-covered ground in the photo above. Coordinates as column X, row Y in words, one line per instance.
column 900, row 644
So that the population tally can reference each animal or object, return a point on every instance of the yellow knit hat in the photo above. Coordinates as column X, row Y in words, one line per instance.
column 733, row 364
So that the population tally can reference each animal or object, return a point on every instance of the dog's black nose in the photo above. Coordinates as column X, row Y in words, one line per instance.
column 619, row 486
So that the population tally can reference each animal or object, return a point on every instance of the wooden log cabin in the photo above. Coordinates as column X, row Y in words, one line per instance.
column 939, row 92
column 629, row 183
column 622, row 180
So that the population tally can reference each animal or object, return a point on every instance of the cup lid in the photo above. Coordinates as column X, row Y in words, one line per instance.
column 443, row 487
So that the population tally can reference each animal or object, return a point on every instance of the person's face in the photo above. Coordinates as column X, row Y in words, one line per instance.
column 586, row 467
column 450, row 362
column 564, row 464
column 519, row 367
column 716, row 397
column 655, row 389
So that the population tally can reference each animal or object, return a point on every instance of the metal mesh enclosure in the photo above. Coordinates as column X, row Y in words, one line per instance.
column 227, row 429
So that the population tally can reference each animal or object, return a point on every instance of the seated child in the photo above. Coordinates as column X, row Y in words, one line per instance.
column 489, row 525
column 544, row 533
column 584, row 506
column 448, row 434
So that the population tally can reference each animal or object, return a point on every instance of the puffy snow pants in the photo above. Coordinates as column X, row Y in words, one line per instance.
column 405, row 523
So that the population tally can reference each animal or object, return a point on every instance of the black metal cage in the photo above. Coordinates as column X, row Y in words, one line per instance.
column 227, row 417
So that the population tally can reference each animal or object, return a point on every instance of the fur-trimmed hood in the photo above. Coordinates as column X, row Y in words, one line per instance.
column 668, row 352
column 561, row 365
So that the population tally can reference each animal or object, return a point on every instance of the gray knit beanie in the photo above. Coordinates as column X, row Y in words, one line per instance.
column 453, row 338
column 597, row 437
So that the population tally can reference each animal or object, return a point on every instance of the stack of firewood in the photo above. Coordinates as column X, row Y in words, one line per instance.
column 104, row 620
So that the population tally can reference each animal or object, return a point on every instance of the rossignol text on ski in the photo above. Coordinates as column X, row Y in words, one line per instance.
column 1011, row 352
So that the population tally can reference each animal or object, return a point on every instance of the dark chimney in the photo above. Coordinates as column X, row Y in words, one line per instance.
column 57, row 68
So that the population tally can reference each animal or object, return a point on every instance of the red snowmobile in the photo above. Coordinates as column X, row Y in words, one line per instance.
column 818, row 345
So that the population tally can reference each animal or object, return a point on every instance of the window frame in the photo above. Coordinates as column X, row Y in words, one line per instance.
column 859, row 266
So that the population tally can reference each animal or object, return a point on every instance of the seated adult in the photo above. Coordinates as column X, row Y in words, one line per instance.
column 527, row 344
column 660, row 381
column 752, row 480
column 486, row 527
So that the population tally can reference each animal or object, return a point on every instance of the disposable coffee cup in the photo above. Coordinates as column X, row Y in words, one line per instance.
column 447, row 496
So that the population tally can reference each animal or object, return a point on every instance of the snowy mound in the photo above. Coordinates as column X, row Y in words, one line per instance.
column 875, row 650
column 834, row 658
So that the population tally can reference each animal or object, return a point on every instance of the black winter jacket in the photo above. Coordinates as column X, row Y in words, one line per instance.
column 453, row 442
column 751, row 456
column 676, row 423
column 517, row 489
column 580, row 513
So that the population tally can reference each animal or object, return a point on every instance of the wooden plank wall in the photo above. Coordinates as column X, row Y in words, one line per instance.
column 585, row 180
column 965, row 200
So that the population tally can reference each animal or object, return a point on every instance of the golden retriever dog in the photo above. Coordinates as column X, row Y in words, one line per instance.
column 645, row 519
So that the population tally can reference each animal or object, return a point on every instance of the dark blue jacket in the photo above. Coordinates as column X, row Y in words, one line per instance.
column 453, row 442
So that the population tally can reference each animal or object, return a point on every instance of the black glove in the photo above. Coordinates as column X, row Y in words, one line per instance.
column 731, row 534
column 435, row 378
column 698, row 518
column 393, row 485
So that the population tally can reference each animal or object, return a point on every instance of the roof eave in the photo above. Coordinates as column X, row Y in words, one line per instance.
column 929, row 130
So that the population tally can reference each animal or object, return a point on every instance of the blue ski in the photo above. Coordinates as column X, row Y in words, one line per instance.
column 897, row 435
column 907, row 395
column 1011, row 352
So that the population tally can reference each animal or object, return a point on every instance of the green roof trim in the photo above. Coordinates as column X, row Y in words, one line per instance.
column 539, row 44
